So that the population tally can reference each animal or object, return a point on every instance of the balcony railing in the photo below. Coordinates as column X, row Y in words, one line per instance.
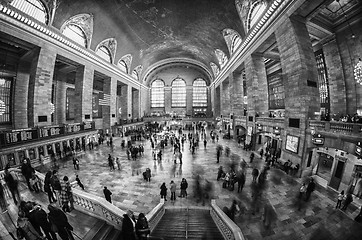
column 336, row 127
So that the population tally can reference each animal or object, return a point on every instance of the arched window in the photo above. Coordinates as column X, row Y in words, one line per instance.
column 178, row 92
column 221, row 57
column 123, row 66
column 75, row 33
column 33, row 8
column 5, row 100
column 158, row 94
column 135, row 74
column 104, row 53
column 199, row 98
column 256, row 11
column 235, row 43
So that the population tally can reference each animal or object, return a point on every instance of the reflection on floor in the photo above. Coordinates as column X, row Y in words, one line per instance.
column 130, row 191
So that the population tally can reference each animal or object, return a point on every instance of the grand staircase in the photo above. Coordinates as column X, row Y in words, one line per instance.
column 187, row 224
column 102, row 231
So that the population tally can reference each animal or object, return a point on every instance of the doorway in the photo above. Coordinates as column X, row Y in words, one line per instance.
column 338, row 172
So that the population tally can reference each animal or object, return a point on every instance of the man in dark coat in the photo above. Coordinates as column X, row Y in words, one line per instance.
column 39, row 219
column 128, row 230
column 310, row 189
column 27, row 170
column 12, row 184
column 107, row 194
column 60, row 220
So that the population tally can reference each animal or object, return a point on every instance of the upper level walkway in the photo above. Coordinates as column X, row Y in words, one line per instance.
column 318, row 217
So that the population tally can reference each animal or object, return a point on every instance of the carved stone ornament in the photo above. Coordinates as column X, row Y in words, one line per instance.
column 215, row 69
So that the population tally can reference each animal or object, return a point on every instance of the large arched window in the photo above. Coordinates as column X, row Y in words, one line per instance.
column 235, row 43
column 135, row 75
column 75, row 33
column 122, row 65
column 199, row 98
column 158, row 94
column 221, row 57
column 104, row 53
column 33, row 8
column 255, row 13
column 178, row 93
column 5, row 100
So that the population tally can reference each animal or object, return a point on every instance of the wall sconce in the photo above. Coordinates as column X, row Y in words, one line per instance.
column 326, row 148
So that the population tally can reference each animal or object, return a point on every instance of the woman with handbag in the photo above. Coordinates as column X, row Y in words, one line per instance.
column 59, row 222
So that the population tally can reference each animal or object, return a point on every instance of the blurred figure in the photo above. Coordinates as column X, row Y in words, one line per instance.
column 58, row 218
column 12, row 183
column 142, row 228
column 128, row 226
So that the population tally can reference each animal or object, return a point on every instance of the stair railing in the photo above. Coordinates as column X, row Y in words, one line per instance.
column 87, row 203
column 226, row 226
column 155, row 215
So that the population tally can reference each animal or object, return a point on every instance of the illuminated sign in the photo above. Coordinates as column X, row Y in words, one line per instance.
column 318, row 139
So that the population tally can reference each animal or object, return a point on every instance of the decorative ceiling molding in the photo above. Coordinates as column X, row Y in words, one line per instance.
column 177, row 61
column 85, row 22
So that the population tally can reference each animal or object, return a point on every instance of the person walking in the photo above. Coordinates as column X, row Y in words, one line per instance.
column 252, row 155
column 173, row 190
column 128, row 226
column 48, row 187
column 310, row 189
column 25, row 228
column 183, row 187
column 118, row 164
column 12, row 183
column 27, row 170
column 163, row 191
column 240, row 178
column 339, row 199
column 75, row 163
column 39, row 219
column 255, row 174
column 107, row 194
column 3, row 203
column 66, row 195
column 59, row 222
column 347, row 199
column 142, row 228
column 55, row 183
column 110, row 162
column 302, row 192
column 80, row 184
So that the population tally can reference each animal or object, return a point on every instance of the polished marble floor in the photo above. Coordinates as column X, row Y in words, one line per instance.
column 317, row 219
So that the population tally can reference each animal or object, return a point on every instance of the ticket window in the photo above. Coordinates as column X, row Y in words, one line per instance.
column 78, row 146
column 65, row 146
column 21, row 155
column 10, row 159
column 41, row 151
column 71, row 142
column 50, row 149
column 57, row 149
column 32, row 153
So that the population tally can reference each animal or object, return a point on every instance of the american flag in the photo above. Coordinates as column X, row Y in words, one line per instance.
column 104, row 99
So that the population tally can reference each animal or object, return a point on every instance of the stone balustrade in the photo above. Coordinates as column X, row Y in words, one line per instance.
column 83, row 201
column 226, row 226
column 155, row 215
column 336, row 127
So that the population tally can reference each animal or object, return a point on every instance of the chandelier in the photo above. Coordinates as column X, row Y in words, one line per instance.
column 358, row 72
